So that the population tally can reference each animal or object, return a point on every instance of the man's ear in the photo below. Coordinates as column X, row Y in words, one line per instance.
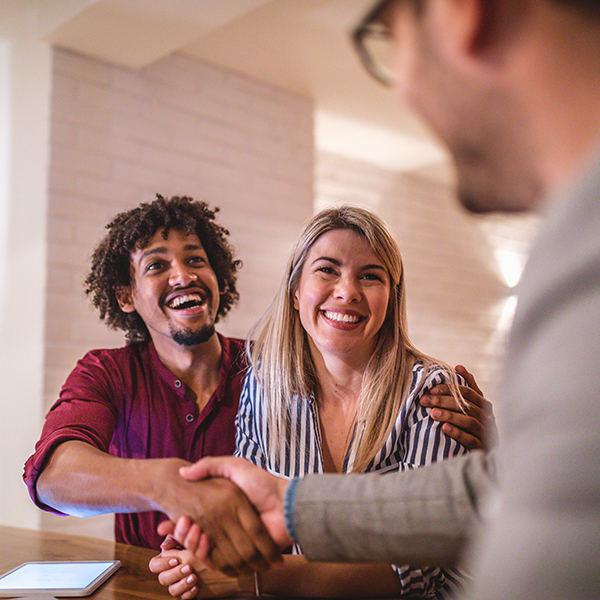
column 481, row 31
column 461, row 24
column 125, row 299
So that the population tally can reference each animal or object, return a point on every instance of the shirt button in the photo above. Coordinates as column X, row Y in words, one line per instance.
column 177, row 383
column 189, row 418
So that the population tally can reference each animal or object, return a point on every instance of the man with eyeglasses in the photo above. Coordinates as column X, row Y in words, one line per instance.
column 513, row 88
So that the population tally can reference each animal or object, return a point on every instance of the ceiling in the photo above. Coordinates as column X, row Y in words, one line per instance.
column 302, row 46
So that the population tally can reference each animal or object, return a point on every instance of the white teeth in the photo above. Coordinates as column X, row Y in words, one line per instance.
column 341, row 317
column 176, row 302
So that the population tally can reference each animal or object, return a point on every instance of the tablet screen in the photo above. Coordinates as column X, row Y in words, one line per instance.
column 64, row 578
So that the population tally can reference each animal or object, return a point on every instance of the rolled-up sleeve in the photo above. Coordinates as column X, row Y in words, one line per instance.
column 84, row 412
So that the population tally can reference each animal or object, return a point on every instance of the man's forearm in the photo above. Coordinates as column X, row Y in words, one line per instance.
column 81, row 480
column 421, row 516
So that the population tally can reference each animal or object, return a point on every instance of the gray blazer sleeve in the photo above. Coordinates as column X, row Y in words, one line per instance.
column 424, row 516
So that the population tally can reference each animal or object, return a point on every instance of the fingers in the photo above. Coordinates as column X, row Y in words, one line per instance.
column 239, row 542
column 185, row 583
column 477, row 406
column 182, row 528
column 181, row 581
column 170, row 543
column 467, row 426
column 192, row 539
column 176, row 573
column 235, row 529
column 205, row 467
column 253, row 536
column 165, row 528
column 161, row 563
column 474, row 428
column 440, row 396
column 203, row 552
column 467, row 423
column 469, row 378
column 249, row 542
column 469, row 441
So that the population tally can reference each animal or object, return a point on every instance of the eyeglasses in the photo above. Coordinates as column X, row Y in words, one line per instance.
column 373, row 42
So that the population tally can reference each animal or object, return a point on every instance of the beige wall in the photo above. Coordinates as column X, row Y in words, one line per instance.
column 25, row 83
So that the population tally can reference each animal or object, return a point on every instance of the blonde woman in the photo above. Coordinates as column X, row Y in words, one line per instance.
column 335, row 386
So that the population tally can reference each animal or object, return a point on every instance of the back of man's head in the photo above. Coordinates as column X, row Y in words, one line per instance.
column 132, row 230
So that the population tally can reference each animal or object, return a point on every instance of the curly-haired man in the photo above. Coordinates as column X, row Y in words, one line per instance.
column 164, row 274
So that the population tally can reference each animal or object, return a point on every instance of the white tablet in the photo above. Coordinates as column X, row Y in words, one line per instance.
column 57, row 578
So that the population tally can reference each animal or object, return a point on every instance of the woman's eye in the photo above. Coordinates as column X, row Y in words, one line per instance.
column 326, row 270
column 197, row 260
column 373, row 277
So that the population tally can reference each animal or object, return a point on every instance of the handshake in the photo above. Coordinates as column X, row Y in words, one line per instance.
column 237, row 525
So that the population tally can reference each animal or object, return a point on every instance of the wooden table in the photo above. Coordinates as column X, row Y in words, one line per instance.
column 132, row 581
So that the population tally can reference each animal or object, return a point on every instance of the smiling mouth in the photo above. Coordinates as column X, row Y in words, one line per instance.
column 341, row 317
column 186, row 301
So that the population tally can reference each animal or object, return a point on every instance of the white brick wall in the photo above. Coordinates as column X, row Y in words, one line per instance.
column 455, row 291
column 176, row 127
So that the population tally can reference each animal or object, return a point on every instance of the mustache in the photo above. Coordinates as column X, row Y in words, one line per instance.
column 195, row 287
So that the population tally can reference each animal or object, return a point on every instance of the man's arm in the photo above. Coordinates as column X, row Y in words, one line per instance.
column 423, row 515
column 81, row 480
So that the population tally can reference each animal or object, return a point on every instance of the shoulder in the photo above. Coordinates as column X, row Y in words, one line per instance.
column 107, row 374
column 251, row 389
column 234, row 345
column 234, row 350
column 131, row 352
column 425, row 377
column 111, row 366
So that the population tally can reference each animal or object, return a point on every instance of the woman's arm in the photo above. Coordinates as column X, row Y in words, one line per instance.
column 295, row 577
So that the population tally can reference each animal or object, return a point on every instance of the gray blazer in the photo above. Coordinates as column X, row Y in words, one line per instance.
column 423, row 516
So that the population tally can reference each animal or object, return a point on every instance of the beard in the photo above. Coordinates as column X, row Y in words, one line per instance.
column 192, row 337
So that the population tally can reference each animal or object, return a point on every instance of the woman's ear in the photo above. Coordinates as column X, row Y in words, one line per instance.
column 295, row 301
column 125, row 299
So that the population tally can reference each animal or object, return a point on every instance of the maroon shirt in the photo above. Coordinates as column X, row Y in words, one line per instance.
column 125, row 402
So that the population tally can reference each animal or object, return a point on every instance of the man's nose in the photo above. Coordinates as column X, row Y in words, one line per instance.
column 181, row 275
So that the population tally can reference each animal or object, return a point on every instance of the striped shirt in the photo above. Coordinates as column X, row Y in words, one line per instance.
column 415, row 440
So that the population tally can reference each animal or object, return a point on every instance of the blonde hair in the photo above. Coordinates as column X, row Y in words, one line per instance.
column 282, row 360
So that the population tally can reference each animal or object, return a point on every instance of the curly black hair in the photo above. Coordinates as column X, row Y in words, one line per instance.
column 132, row 230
